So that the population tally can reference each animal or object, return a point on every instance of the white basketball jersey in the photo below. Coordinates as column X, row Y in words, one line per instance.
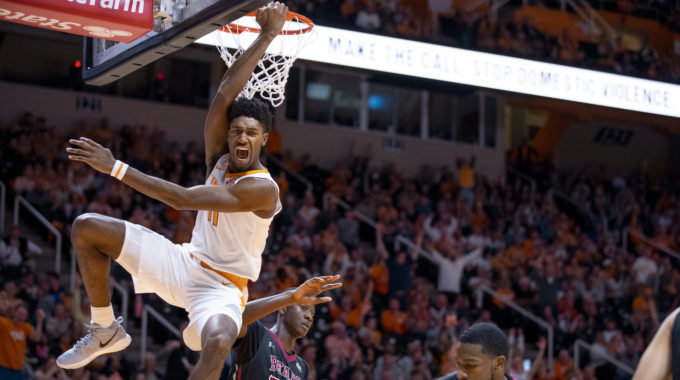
column 232, row 241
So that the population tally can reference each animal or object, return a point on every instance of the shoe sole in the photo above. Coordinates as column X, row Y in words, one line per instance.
column 120, row 345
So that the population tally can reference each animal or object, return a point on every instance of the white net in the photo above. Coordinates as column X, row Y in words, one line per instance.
column 270, row 77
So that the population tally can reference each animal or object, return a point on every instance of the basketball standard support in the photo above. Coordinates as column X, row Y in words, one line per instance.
column 104, row 64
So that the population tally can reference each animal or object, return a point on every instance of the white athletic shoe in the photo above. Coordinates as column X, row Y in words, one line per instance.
column 98, row 341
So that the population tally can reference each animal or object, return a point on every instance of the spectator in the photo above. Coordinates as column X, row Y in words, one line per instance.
column 149, row 370
column 368, row 18
column 14, row 335
column 451, row 268
column 14, row 250
column 393, row 320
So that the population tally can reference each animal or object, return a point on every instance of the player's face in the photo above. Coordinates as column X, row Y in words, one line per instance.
column 299, row 319
column 245, row 140
column 473, row 364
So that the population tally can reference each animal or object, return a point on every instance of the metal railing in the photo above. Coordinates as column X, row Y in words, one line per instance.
column 590, row 15
column 20, row 201
column 124, row 298
column 293, row 174
column 399, row 239
column 525, row 177
column 627, row 232
column 120, row 288
column 564, row 197
column 529, row 315
column 3, row 199
column 145, row 327
column 582, row 344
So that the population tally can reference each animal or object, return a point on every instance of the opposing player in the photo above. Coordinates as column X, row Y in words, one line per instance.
column 262, row 353
column 481, row 354
column 661, row 360
column 208, row 277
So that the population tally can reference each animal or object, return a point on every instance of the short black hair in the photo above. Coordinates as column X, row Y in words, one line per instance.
column 255, row 108
column 492, row 339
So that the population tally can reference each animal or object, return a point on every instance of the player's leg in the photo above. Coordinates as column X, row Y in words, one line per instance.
column 217, row 338
column 95, row 239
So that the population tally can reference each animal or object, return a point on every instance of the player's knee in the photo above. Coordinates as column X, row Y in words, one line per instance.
column 83, row 229
column 217, row 345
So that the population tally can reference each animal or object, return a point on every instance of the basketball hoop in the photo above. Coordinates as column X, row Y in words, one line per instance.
column 271, row 74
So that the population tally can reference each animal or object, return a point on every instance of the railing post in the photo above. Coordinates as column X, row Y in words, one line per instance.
column 577, row 355
column 57, row 264
column 16, row 210
column 73, row 270
column 145, row 322
column 551, row 347
column 124, row 299
column 3, row 199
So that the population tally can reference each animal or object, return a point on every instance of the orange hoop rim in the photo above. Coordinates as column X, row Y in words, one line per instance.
column 234, row 28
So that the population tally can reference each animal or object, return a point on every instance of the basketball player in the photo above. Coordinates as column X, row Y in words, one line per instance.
column 262, row 353
column 208, row 276
column 661, row 360
column 481, row 354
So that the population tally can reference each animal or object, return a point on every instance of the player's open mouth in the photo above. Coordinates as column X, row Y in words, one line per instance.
column 242, row 153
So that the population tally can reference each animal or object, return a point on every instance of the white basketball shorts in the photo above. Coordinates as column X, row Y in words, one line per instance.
column 170, row 270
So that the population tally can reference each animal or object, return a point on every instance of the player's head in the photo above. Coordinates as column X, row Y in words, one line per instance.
column 249, row 122
column 297, row 319
column 482, row 350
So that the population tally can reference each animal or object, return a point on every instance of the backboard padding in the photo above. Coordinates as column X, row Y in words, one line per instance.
column 105, row 62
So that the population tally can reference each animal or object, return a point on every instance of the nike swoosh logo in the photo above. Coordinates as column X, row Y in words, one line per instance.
column 102, row 345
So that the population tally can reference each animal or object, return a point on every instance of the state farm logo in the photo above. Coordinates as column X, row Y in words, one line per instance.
column 59, row 25
column 100, row 32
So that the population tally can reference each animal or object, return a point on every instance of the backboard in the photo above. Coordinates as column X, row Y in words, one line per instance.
column 177, row 23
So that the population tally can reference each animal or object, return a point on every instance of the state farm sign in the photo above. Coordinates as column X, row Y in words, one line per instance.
column 117, row 20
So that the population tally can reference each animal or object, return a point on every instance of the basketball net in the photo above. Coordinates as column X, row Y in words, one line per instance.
column 271, row 74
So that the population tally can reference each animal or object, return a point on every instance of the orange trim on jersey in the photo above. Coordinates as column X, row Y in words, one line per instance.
column 240, row 282
column 235, row 175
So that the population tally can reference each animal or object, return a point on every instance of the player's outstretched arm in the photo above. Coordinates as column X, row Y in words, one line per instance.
column 271, row 19
column 250, row 194
column 305, row 294
column 655, row 363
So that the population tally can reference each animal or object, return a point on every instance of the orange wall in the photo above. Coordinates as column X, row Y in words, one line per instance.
column 553, row 22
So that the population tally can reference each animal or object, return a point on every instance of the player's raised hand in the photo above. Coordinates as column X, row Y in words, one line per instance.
column 91, row 153
column 271, row 18
column 306, row 294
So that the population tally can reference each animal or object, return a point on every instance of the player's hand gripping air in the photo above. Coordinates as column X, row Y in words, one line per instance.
column 306, row 293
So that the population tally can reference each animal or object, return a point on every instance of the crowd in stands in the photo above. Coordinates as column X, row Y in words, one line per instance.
column 401, row 308
column 511, row 34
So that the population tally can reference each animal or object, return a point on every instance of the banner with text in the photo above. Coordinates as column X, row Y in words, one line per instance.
column 424, row 60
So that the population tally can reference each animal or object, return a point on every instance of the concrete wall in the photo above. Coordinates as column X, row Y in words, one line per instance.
column 646, row 150
column 327, row 144
column 63, row 108
column 324, row 143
